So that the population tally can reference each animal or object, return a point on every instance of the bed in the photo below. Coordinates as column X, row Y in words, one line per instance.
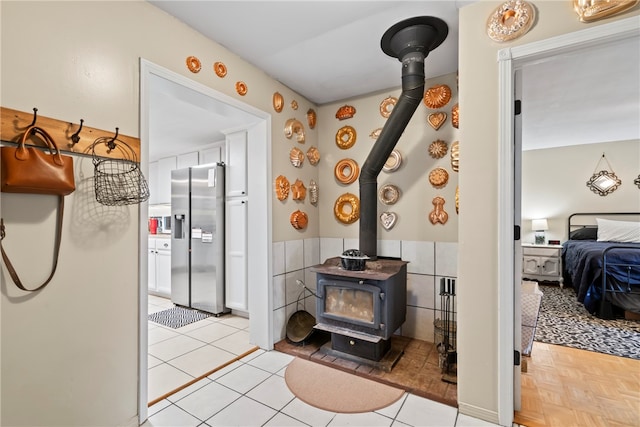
column 604, row 269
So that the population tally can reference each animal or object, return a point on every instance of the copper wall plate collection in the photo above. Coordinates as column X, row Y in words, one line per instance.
column 393, row 161
column 386, row 106
column 438, row 214
column 438, row 149
column 220, row 69
column 438, row 177
column 294, row 126
column 313, row 155
column 436, row 120
column 346, row 171
column 346, row 137
column 437, row 96
column 193, row 64
column 298, row 190
column 278, row 102
column 345, row 112
column 296, row 156
column 512, row 19
column 299, row 220
column 241, row 88
column 388, row 220
column 389, row 194
column 294, row 105
column 282, row 187
column 344, row 216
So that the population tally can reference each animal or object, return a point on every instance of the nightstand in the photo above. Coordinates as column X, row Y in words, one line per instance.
column 542, row 263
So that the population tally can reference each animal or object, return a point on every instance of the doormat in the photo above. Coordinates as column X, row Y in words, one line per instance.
column 564, row 321
column 335, row 390
column 177, row 317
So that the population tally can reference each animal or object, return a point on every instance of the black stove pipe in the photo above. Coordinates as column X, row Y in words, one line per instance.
column 410, row 41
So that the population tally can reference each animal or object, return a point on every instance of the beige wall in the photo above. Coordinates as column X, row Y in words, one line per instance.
column 70, row 353
column 478, row 293
column 554, row 184
column 412, row 178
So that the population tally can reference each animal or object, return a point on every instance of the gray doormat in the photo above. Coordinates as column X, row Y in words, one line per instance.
column 177, row 317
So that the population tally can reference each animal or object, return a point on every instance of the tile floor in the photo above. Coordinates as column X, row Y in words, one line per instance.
column 251, row 391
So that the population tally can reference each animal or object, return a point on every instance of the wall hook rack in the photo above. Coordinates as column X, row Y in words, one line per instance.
column 75, row 138
column 35, row 117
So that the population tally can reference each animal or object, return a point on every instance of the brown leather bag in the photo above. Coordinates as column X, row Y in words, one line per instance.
column 30, row 170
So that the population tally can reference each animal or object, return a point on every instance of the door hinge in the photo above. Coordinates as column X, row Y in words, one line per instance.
column 516, row 232
column 518, row 107
column 516, row 358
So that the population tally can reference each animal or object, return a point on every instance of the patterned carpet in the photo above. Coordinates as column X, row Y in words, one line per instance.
column 177, row 317
column 565, row 321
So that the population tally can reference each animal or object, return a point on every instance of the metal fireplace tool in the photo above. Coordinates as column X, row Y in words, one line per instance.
column 445, row 328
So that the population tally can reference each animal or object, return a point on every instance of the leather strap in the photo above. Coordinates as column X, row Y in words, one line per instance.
column 56, row 251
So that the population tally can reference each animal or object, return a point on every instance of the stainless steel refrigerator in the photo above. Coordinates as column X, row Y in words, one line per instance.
column 197, row 237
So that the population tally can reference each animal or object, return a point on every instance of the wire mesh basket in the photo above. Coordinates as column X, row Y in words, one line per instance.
column 118, row 181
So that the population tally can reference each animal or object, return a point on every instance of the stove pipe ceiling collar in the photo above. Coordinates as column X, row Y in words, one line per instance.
column 410, row 41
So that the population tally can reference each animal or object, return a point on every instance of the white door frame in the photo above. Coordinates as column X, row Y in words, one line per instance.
column 259, row 232
column 509, row 60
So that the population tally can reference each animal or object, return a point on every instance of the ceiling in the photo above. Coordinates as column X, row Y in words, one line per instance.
column 329, row 51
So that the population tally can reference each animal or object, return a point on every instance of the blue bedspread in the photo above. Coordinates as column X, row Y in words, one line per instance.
column 582, row 264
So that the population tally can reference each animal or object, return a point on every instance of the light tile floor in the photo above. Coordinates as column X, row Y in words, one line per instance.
column 252, row 391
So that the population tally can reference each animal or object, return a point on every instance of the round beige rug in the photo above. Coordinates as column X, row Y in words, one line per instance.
column 335, row 390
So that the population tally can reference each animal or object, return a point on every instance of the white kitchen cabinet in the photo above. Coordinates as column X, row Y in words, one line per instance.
column 160, row 266
column 236, row 169
column 212, row 155
column 236, row 285
column 542, row 263
column 165, row 166
column 187, row 160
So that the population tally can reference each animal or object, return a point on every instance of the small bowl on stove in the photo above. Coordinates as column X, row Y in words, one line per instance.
column 353, row 260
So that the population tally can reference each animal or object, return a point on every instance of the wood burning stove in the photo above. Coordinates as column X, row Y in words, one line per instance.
column 361, row 309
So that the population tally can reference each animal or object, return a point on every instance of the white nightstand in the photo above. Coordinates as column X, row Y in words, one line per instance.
column 542, row 263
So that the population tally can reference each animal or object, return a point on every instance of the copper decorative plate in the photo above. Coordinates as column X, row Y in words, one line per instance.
column 313, row 155
column 352, row 214
column 393, row 161
column 386, row 106
column 375, row 133
column 510, row 20
column 346, row 137
column 282, row 187
column 278, row 102
column 193, row 64
column 241, row 88
column 438, row 214
column 296, row 156
column 299, row 220
column 437, row 96
column 388, row 220
column 389, row 194
column 313, row 192
column 438, row 149
column 436, row 120
column 346, row 171
column 455, row 116
column 438, row 177
column 345, row 112
column 311, row 118
column 294, row 126
column 455, row 156
column 220, row 69
column 298, row 190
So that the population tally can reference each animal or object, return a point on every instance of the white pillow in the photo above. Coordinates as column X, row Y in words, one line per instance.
column 618, row 231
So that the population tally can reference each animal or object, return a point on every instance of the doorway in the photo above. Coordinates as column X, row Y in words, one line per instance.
column 236, row 115
column 512, row 60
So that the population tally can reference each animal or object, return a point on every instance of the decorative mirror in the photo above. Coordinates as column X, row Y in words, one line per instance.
column 603, row 182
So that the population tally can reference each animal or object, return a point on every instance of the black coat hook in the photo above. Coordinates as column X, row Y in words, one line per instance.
column 112, row 143
column 35, row 117
column 76, row 136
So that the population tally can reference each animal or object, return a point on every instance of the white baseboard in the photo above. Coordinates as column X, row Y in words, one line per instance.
column 475, row 412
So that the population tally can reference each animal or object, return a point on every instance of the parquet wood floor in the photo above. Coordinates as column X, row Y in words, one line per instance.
column 567, row 387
